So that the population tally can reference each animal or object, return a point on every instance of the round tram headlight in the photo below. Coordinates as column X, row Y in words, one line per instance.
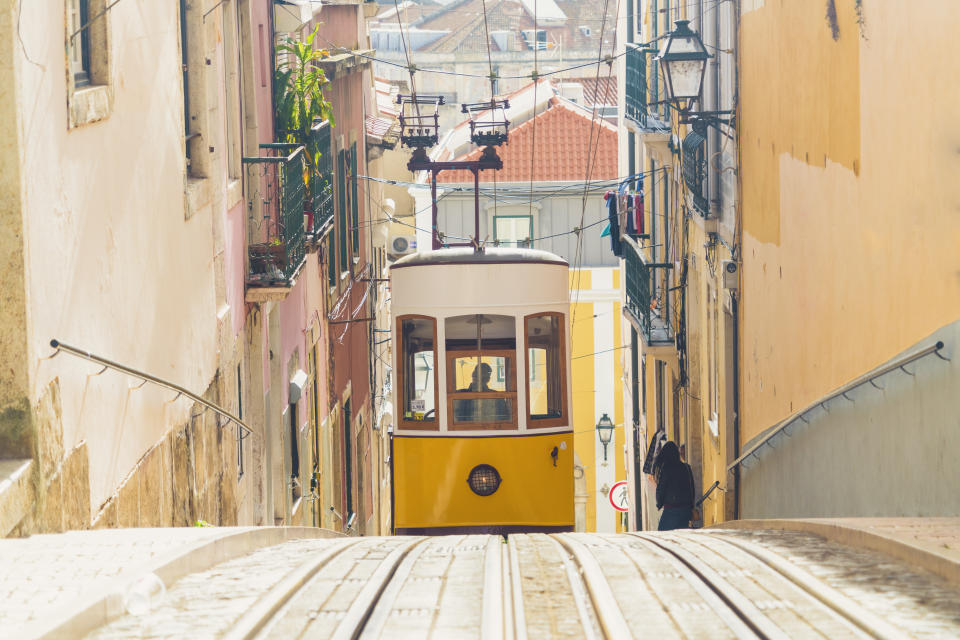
column 484, row 480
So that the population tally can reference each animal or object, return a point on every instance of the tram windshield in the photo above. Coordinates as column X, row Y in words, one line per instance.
column 481, row 373
column 418, row 375
column 545, row 369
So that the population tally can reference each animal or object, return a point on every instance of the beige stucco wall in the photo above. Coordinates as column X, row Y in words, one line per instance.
column 113, row 264
column 850, row 197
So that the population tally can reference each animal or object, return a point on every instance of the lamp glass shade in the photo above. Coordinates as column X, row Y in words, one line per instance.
column 605, row 429
column 683, row 61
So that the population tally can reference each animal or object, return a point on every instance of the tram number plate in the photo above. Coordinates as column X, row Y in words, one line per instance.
column 419, row 407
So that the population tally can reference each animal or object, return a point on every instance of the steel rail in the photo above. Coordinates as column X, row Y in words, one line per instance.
column 136, row 373
column 377, row 619
column 355, row 619
column 492, row 621
column 512, row 572
column 728, row 616
column 867, row 378
column 611, row 618
column 589, row 618
column 745, row 609
column 824, row 593
column 265, row 608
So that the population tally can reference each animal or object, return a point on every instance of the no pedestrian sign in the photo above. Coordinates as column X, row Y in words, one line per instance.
column 619, row 497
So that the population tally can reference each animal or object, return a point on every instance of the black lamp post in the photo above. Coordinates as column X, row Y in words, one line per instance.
column 605, row 433
column 683, row 63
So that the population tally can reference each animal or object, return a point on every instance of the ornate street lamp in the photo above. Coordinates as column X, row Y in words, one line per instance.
column 683, row 63
column 605, row 433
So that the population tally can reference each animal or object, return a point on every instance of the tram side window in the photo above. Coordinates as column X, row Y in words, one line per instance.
column 481, row 371
column 546, row 369
column 418, row 374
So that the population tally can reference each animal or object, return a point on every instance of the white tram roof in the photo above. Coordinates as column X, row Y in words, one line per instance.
column 466, row 255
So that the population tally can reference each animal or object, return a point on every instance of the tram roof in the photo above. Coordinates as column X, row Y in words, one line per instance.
column 466, row 255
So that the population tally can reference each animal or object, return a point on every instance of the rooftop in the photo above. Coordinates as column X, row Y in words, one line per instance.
column 566, row 136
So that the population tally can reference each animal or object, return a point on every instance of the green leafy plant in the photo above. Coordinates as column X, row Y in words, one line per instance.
column 300, row 100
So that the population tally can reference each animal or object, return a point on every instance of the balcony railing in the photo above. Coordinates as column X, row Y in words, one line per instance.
column 639, row 93
column 276, row 195
column 321, row 182
column 647, row 296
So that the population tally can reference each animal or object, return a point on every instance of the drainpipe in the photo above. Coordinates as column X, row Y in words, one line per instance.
column 735, row 308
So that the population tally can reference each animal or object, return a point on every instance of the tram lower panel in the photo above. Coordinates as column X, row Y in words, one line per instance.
column 432, row 493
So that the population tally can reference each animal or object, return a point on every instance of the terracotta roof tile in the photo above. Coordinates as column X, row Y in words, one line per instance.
column 563, row 134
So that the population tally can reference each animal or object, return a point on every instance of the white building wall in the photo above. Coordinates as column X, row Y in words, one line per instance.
column 115, row 264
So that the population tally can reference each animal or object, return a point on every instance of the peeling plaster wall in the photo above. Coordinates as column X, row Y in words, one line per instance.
column 851, row 232
column 113, row 264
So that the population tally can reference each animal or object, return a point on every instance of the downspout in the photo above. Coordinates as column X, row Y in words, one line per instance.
column 738, row 231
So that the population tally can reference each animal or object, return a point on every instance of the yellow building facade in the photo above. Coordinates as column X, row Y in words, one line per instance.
column 680, row 300
column 797, row 249
column 597, row 386
column 851, row 247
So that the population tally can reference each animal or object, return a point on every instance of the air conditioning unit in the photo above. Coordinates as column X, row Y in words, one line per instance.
column 731, row 274
column 402, row 245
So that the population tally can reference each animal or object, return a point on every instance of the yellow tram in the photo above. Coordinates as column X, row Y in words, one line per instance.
column 483, row 439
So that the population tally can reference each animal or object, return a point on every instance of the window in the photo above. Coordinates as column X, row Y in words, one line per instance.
column 240, row 432
column 193, row 64
column 513, row 230
column 89, row 97
column 354, row 204
column 342, row 200
column 481, row 374
column 418, row 372
column 295, row 489
column 231, row 78
column 331, row 260
column 546, row 370
column 79, row 45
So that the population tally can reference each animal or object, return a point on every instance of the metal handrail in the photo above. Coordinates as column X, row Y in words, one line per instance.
column 867, row 378
column 86, row 355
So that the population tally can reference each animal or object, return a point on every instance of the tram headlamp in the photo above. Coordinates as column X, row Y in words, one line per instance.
column 484, row 480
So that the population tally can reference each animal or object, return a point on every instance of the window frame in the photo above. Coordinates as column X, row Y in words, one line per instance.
column 514, row 216
column 402, row 422
column 563, row 420
column 452, row 393
column 82, row 78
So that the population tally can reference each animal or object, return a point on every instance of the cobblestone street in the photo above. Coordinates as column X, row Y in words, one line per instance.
column 281, row 582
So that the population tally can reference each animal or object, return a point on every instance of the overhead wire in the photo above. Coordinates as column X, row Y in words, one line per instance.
column 578, row 254
column 486, row 30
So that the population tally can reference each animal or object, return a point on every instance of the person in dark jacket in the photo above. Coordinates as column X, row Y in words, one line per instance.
column 675, row 493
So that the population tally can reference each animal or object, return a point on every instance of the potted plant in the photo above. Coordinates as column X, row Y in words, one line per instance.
column 300, row 101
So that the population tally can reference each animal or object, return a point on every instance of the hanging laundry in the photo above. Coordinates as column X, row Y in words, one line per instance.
column 629, row 217
column 614, row 220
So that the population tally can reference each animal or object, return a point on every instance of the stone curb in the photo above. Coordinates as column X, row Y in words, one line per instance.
column 106, row 604
column 913, row 552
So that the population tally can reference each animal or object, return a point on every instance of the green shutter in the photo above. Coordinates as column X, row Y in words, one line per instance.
column 342, row 208
column 355, row 206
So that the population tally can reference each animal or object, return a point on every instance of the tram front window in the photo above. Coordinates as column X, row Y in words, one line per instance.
column 546, row 369
column 481, row 374
column 418, row 371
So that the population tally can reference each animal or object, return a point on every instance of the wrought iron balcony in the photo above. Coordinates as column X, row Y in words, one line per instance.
column 321, row 179
column 276, row 195
column 641, row 89
column 647, row 297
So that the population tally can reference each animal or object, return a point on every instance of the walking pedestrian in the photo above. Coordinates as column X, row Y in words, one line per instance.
column 675, row 492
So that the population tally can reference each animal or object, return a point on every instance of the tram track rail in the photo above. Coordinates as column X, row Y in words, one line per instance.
column 564, row 585
column 798, row 603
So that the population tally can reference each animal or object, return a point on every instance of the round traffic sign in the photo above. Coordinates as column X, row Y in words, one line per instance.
column 619, row 496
